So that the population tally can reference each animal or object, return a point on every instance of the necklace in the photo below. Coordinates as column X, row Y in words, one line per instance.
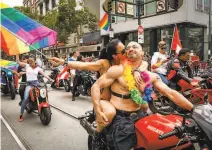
column 131, row 84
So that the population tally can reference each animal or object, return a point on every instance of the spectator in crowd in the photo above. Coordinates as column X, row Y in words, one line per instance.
column 159, row 62
column 73, row 57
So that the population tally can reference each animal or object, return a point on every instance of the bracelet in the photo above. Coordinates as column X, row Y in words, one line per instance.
column 136, row 70
column 66, row 62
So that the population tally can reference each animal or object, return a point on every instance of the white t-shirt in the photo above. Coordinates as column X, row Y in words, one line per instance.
column 32, row 74
column 155, row 59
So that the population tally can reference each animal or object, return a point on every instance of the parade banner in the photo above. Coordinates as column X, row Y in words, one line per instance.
column 25, row 33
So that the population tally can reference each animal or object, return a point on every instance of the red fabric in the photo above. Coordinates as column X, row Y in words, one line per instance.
column 176, row 41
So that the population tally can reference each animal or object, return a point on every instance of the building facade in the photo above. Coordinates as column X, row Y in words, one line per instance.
column 192, row 19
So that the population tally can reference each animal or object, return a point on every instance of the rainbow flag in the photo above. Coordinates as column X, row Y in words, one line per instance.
column 20, row 34
column 103, row 24
column 8, row 64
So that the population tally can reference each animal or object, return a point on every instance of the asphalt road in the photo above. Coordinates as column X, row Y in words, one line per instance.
column 63, row 132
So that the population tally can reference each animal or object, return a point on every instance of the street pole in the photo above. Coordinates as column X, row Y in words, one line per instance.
column 139, row 11
column 209, row 34
column 111, row 34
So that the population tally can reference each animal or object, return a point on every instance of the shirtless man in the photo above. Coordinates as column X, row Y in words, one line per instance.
column 109, row 56
column 120, row 108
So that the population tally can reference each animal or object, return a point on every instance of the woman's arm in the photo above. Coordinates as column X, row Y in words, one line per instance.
column 91, row 66
column 22, row 64
column 46, row 76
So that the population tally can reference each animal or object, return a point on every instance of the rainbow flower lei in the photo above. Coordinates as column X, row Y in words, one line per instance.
column 134, row 92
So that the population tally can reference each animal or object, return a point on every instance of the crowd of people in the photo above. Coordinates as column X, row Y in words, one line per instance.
column 124, row 86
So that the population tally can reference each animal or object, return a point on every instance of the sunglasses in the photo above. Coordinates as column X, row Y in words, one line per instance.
column 163, row 48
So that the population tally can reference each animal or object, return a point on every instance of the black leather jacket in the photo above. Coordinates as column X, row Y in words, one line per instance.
column 181, row 72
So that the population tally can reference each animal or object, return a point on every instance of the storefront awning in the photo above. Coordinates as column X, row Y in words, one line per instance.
column 90, row 48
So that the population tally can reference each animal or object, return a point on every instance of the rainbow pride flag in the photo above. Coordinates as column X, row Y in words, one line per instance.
column 103, row 24
column 8, row 64
column 20, row 34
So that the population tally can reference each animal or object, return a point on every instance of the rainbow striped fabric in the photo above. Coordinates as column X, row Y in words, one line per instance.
column 104, row 24
column 20, row 34
column 8, row 64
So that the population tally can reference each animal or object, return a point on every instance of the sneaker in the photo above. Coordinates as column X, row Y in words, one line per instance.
column 73, row 98
column 20, row 103
column 21, row 118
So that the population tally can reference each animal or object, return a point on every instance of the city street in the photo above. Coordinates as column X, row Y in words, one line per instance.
column 63, row 132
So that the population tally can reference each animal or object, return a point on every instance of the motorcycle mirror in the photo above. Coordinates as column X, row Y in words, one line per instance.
column 206, row 98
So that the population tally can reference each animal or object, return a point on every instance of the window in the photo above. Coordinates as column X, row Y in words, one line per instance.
column 199, row 5
column 47, row 5
column 41, row 9
column 195, row 40
column 206, row 6
column 53, row 3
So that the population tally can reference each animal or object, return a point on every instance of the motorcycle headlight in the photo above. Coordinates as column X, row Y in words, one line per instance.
column 43, row 93
column 2, row 73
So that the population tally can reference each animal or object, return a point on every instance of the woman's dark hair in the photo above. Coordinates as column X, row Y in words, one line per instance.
column 32, row 56
column 109, row 50
column 79, row 58
column 183, row 51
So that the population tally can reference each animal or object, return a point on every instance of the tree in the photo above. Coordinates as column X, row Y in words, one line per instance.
column 27, row 11
column 71, row 21
column 49, row 19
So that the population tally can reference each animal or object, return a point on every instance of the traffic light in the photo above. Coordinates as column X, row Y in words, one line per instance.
column 110, row 5
column 176, row 5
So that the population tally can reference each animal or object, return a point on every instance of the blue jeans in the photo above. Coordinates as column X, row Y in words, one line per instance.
column 26, row 94
column 163, row 78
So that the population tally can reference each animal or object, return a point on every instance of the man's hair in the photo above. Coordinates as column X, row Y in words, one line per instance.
column 183, row 51
column 25, row 56
column 79, row 58
column 71, row 54
column 110, row 50
column 161, row 44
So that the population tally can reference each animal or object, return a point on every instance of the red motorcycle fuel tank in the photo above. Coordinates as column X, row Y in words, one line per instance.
column 149, row 128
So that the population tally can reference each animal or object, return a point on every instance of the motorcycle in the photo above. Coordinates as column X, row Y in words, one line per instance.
column 86, row 80
column 154, row 127
column 7, row 83
column 197, row 130
column 61, row 78
column 163, row 105
column 38, row 100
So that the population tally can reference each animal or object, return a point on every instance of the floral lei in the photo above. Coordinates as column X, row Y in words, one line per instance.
column 134, row 92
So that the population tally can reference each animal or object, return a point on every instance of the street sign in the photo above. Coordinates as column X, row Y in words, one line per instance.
column 140, row 29
column 130, row 9
column 140, row 34
column 161, row 5
column 120, row 7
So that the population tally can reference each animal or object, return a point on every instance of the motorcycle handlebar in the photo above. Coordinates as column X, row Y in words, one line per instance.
column 164, row 136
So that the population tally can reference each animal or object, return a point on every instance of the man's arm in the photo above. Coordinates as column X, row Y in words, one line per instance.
column 104, row 81
column 173, row 95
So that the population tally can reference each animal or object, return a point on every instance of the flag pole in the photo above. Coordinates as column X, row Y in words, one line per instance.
column 24, row 41
column 172, row 41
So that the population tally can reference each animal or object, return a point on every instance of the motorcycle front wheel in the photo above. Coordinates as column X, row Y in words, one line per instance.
column 12, row 90
column 45, row 116
column 67, row 86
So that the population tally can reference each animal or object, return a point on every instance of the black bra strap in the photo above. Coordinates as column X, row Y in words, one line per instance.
column 120, row 95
